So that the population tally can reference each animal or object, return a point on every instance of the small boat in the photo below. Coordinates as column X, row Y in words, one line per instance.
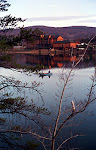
column 45, row 74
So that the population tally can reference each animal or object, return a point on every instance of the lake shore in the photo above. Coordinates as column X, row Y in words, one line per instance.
column 37, row 52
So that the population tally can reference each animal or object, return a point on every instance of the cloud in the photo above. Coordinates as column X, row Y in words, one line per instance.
column 88, row 21
column 62, row 21
column 56, row 18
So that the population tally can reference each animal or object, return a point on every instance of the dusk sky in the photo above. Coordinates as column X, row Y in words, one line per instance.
column 55, row 13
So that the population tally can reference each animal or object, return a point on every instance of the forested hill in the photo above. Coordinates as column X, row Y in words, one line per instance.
column 71, row 33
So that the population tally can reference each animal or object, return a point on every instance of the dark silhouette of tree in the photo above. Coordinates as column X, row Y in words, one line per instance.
column 4, row 5
column 29, row 35
column 8, row 21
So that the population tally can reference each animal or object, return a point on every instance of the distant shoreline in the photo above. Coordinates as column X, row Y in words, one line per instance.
column 40, row 51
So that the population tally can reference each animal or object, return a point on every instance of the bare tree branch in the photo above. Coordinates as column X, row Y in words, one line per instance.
column 68, row 140
column 55, row 132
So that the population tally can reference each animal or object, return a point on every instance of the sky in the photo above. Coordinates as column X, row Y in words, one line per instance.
column 54, row 13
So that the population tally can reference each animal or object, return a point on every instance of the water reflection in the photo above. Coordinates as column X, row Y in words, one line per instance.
column 51, row 61
column 76, row 91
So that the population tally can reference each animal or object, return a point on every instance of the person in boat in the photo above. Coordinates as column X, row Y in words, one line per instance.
column 49, row 71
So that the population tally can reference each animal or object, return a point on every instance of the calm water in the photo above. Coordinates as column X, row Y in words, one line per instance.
column 51, row 88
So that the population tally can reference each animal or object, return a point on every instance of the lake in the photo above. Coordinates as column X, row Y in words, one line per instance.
column 49, row 93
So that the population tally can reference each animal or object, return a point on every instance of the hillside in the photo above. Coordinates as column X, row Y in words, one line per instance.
column 71, row 33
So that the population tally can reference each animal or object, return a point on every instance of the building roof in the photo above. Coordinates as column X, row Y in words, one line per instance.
column 65, row 41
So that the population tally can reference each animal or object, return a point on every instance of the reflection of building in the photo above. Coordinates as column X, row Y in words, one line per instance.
column 51, row 61
column 48, row 60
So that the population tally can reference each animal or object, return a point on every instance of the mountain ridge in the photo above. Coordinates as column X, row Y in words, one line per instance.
column 71, row 32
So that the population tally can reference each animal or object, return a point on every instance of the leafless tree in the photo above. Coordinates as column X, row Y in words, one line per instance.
column 50, row 132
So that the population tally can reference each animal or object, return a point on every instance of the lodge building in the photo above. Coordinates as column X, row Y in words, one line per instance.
column 47, row 42
column 56, row 42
